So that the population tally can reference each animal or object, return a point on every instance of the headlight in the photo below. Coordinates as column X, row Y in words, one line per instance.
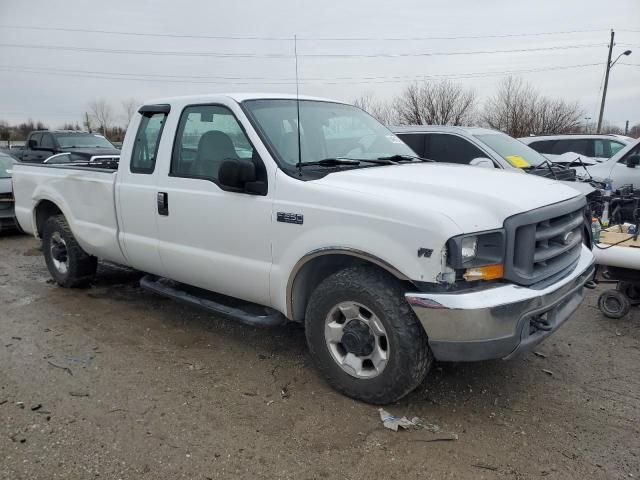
column 479, row 255
column 468, row 248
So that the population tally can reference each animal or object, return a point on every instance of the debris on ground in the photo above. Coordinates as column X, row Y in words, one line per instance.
column 540, row 354
column 37, row 406
column 485, row 466
column 79, row 394
column 66, row 369
column 415, row 423
column 548, row 372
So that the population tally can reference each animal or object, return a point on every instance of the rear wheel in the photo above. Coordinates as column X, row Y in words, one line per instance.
column 68, row 264
column 365, row 338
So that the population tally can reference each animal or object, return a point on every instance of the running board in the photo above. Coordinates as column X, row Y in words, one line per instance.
column 244, row 312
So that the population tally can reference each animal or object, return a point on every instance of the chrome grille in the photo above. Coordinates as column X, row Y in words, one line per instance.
column 544, row 242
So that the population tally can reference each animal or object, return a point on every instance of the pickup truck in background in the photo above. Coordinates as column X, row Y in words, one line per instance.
column 387, row 259
column 81, row 146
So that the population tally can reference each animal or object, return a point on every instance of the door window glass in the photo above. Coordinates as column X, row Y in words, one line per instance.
column 580, row 146
column 36, row 137
column 451, row 149
column 415, row 141
column 47, row 141
column 207, row 136
column 616, row 147
column 145, row 149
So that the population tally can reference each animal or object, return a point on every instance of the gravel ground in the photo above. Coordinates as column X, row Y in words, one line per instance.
column 114, row 382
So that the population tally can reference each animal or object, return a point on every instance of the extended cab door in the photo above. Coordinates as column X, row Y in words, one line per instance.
column 210, row 236
column 136, row 189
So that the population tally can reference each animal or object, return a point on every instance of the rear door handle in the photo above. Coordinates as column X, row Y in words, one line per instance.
column 163, row 203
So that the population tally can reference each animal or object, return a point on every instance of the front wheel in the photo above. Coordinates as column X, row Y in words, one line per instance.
column 365, row 338
column 68, row 264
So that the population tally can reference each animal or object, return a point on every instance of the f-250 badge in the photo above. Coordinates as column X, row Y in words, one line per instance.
column 285, row 217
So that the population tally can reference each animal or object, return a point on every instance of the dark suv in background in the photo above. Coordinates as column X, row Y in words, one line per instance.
column 81, row 145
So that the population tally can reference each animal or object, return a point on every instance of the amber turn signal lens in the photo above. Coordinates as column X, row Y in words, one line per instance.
column 488, row 272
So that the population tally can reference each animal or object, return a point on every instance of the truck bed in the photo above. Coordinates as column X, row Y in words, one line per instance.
column 86, row 196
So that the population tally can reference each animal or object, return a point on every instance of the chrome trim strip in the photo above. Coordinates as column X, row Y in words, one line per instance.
column 352, row 252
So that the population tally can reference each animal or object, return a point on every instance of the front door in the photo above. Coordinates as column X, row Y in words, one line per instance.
column 210, row 237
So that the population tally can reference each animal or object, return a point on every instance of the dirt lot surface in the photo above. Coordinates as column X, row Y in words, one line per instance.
column 113, row 382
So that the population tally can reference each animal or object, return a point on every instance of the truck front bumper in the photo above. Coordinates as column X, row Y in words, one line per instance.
column 502, row 321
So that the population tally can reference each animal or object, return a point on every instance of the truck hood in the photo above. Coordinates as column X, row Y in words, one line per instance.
column 473, row 198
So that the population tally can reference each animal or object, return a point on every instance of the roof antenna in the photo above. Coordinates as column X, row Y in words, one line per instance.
column 295, row 53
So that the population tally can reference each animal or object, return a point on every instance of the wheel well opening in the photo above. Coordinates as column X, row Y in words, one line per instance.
column 314, row 272
column 44, row 211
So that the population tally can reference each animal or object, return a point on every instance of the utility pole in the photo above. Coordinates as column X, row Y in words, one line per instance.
column 626, row 128
column 606, row 82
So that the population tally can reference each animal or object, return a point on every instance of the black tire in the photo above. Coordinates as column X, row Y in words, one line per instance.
column 80, row 266
column 614, row 304
column 409, row 355
column 630, row 290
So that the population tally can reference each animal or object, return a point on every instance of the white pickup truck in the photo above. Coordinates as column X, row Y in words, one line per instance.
column 389, row 260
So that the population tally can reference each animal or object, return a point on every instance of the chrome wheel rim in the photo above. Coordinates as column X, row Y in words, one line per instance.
column 59, row 255
column 357, row 340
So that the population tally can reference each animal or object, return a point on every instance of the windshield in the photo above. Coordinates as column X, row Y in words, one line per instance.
column 328, row 130
column 82, row 140
column 6, row 164
column 513, row 151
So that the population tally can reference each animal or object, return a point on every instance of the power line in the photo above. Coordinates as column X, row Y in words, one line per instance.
column 290, row 38
column 275, row 81
column 288, row 56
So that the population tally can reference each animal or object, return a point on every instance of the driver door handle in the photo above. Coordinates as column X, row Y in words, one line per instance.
column 163, row 204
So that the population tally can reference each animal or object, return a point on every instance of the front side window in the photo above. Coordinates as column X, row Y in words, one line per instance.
column 208, row 135
column 47, row 141
column 36, row 138
column 327, row 130
column 543, row 146
column 513, row 151
column 145, row 148
column 443, row 147
column 616, row 147
column 415, row 141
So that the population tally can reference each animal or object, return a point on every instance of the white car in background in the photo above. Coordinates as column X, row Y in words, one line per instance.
column 558, row 148
column 623, row 168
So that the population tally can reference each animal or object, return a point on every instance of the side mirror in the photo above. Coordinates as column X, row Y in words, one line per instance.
column 241, row 175
column 633, row 161
column 482, row 162
column 32, row 144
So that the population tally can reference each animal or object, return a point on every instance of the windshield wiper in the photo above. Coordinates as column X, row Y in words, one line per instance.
column 330, row 162
column 337, row 161
column 399, row 158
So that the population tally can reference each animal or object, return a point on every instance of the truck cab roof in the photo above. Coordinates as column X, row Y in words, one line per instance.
column 238, row 97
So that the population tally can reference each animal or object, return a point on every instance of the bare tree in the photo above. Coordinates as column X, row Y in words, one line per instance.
column 519, row 110
column 129, row 108
column 383, row 111
column 635, row 131
column 102, row 113
column 436, row 103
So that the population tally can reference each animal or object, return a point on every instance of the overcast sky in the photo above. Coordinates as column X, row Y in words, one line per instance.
column 55, row 84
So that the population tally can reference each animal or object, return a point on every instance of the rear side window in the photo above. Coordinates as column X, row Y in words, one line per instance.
column 580, row 146
column 451, row 148
column 145, row 149
column 602, row 148
column 207, row 136
column 415, row 141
